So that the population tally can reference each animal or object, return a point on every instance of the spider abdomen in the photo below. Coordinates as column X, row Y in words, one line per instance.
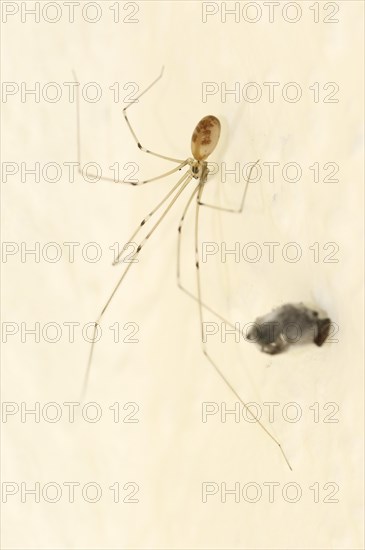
column 205, row 137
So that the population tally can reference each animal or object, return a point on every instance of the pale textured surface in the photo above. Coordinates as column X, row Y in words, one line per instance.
column 170, row 452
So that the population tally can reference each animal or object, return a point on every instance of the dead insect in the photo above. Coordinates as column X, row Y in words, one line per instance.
column 288, row 325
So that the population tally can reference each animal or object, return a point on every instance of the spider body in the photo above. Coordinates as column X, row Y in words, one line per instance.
column 203, row 142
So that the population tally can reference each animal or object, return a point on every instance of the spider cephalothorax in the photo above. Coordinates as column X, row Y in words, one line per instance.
column 199, row 169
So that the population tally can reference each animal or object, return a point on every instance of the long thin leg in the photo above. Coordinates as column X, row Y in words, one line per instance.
column 178, row 270
column 106, row 178
column 133, row 132
column 208, row 308
column 180, row 228
column 145, row 219
column 233, row 210
column 204, row 347
column 184, row 181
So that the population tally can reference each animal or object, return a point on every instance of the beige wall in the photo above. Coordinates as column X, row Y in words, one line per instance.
column 170, row 452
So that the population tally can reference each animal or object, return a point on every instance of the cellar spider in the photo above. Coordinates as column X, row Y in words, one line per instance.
column 203, row 142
